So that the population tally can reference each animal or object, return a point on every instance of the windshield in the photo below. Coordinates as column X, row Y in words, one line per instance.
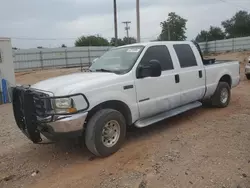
column 117, row 60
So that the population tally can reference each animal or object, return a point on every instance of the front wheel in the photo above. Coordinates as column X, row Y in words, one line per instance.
column 105, row 132
column 222, row 95
column 248, row 76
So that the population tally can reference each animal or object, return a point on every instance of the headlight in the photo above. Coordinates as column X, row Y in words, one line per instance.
column 63, row 103
column 70, row 104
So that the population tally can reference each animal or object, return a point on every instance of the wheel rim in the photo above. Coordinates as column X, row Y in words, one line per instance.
column 110, row 133
column 224, row 95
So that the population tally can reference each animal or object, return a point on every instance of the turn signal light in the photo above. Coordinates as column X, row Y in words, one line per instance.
column 72, row 110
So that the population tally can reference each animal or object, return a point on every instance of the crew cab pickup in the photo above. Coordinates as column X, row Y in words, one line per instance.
column 138, row 84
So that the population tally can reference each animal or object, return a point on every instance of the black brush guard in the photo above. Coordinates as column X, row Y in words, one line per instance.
column 27, row 105
column 32, row 109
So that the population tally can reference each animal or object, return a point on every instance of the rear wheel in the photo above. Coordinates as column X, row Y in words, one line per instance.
column 222, row 95
column 105, row 132
column 248, row 76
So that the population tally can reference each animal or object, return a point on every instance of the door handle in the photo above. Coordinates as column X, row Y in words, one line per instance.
column 200, row 74
column 177, row 78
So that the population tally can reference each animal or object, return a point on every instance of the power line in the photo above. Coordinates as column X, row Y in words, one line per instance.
column 228, row 2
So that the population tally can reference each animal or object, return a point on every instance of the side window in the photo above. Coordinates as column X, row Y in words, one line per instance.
column 185, row 55
column 159, row 53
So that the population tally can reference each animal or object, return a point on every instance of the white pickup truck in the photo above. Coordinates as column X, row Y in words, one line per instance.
column 138, row 84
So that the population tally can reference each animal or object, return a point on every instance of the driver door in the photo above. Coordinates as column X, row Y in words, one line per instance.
column 158, row 94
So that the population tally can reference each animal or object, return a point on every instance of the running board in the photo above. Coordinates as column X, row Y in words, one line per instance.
column 159, row 117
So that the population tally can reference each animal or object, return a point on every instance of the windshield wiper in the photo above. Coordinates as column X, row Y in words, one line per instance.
column 103, row 70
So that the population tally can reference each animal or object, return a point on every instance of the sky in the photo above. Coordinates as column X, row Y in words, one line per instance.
column 59, row 22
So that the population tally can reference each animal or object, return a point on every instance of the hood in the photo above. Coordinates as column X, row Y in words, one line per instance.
column 64, row 85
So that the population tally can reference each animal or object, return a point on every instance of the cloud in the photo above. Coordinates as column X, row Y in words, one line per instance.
column 72, row 18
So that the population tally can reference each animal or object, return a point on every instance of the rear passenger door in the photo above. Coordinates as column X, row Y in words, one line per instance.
column 192, row 73
column 157, row 94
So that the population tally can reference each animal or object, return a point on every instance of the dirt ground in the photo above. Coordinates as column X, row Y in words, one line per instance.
column 205, row 147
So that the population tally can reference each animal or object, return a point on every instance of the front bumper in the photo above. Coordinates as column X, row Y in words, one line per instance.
column 64, row 126
column 69, row 123
column 29, row 115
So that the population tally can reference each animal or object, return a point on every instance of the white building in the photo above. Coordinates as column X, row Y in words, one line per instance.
column 6, row 61
column 6, row 69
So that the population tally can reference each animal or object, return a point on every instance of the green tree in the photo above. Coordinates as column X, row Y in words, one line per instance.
column 129, row 40
column 119, row 42
column 124, row 41
column 202, row 36
column 214, row 33
column 174, row 28
column 238, row 25
column 91, row 41
column 64, row 46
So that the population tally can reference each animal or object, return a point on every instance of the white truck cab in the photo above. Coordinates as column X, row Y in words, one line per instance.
column 137, row 84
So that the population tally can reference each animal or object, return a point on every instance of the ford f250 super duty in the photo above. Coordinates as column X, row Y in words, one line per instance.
column 138, row 84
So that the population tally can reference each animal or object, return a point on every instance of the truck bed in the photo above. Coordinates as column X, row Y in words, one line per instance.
column 217, row 62
column 214, row 61
column 219, row 68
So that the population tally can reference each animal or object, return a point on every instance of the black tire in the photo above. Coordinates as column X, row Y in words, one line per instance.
column 248, row 76
column 217, row 99
column 93, row 134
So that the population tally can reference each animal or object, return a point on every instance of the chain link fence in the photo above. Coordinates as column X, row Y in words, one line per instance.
column 45, row 58
column 33, row 59
column 227, row 45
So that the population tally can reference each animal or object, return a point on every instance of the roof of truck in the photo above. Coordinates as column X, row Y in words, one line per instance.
column 159, row 42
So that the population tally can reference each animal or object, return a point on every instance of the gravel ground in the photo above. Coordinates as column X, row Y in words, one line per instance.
column 205, row 147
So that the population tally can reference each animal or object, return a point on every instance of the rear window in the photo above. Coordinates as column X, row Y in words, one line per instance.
column 185, row 55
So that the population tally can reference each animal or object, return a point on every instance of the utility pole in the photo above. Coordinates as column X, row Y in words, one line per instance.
column 169, row 36
column 127, row 27
column 138, row 21
column 115, row 23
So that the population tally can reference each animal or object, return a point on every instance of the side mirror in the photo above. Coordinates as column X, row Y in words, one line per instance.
column 153, row 69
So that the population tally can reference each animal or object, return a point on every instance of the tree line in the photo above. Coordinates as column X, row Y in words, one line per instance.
column 237, row 26
column 174, row 29
column 100, row 41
